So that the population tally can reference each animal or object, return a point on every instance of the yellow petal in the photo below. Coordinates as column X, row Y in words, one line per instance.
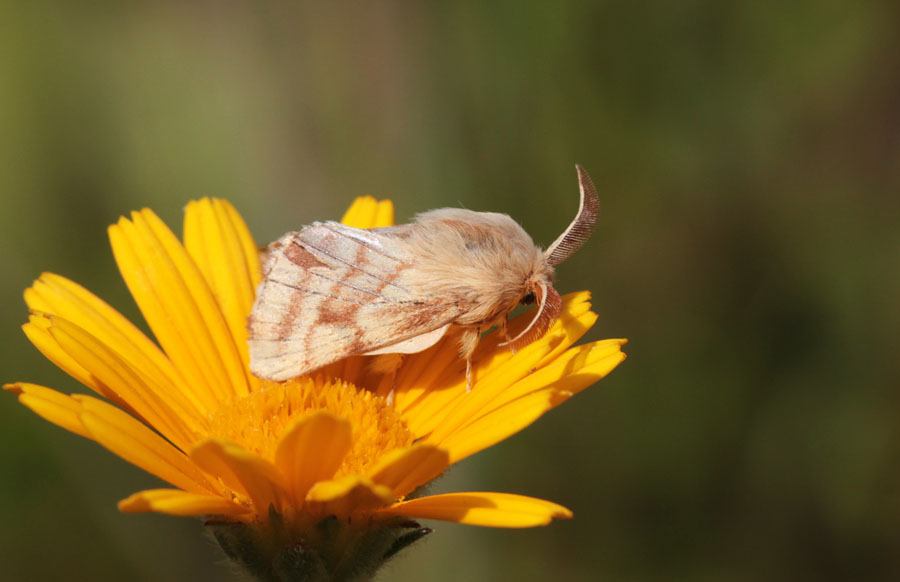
column 216, row 244
column 405, row 469
column 243, row 472
column 366, row 212
column 125, row 386
column 50, row 405
column 486, row 509
column 569, row 374
column 430, row 382
column 178, row 306
column 37, row 332
column 384, row 214
column 493, row 428
column 155, row 304
column 212, row 317
column 59, row 296
column 419, row 373
column 576, row 319
column 140, row 446
column 448, row 419
column 312, row 450
column 248, row 246
column 427, row 373
column 177, row 502
column 343, row 496
column 55, row 328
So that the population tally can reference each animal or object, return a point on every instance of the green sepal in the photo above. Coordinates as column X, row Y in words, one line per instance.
column 328, row 550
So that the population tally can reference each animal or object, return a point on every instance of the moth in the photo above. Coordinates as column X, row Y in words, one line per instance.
column 330, row 291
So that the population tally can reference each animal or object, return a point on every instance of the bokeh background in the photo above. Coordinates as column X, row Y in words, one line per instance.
column 748, row 159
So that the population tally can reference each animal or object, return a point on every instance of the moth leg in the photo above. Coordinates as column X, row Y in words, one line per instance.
column 468, row 341
column 503, row 328
column 387, row 366
column 504, row 332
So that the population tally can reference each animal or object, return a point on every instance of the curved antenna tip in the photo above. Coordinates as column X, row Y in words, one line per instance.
column 580, row 230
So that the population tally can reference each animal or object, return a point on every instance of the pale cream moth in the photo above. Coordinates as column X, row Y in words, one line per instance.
column 330, row 291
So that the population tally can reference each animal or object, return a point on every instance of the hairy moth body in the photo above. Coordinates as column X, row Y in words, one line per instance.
column 330, row 291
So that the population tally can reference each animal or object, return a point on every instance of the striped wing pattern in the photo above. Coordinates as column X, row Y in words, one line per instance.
column 330, row 291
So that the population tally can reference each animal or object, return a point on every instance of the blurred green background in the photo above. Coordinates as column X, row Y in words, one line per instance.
column 748, row 160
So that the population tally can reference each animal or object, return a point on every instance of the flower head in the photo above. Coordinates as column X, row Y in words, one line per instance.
column 287, row 456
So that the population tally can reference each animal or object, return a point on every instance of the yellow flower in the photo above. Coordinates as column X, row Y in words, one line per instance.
column 248, row 451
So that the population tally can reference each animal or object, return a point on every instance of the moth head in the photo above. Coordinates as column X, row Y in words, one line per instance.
column 549, row 307
column 539, row 289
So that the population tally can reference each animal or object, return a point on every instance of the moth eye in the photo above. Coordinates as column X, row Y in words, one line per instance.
column 528, row 299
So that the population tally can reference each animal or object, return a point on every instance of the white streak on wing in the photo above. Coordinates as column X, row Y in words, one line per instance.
column 364, row 237
column 324, row 253
column 331, row 295
column 355, row 233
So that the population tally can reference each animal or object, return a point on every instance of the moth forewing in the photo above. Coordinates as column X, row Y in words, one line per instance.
column 330, row 291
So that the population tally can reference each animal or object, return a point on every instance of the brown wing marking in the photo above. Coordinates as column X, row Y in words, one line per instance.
column 360, row 251
column 331, row 291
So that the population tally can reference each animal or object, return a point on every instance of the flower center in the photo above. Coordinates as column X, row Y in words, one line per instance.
column 259, row 420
